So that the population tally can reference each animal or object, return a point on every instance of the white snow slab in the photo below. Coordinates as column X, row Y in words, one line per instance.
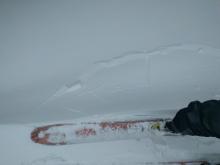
column 166, row 78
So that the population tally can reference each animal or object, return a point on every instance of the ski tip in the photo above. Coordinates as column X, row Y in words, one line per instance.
column 39, row 135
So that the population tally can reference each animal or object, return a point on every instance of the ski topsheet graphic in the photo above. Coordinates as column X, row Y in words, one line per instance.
column 84, row 132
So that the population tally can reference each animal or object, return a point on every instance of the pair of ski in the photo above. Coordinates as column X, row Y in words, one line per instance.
column 85, row 132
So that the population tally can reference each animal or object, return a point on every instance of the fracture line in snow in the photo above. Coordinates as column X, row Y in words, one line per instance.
column 125, row 58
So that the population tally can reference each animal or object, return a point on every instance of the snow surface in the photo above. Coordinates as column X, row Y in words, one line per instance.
column 152, row 148
column 69, row 61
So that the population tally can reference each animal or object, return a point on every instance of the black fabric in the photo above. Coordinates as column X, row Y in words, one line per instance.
column 201, row 119
column 211, row 116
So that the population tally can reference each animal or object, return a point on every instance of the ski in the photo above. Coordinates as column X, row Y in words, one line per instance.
column 84, row 132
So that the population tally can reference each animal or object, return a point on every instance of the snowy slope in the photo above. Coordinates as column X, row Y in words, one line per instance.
column 166, row 78
column 72, row 61
column 47, row 45
column 137, row 85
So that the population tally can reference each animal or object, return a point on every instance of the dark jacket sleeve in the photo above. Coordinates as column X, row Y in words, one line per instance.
column 202, row 119
column 210, row 116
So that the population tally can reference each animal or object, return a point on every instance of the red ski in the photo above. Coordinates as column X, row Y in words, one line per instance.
column 70, row 133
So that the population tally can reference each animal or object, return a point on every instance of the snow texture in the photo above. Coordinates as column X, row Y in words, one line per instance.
column 152, row 148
